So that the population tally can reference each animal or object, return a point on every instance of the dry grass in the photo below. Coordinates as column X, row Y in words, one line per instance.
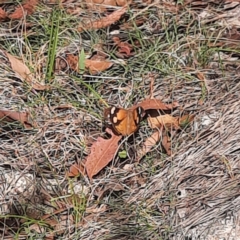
column 194, row 194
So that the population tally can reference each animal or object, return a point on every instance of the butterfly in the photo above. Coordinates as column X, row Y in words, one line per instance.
column 124, row 121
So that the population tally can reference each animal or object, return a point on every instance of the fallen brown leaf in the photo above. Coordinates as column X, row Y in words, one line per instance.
column 102, row 152
column 10, row 116
column 155, row 104
column 75, row 170
column 28, row 7
column 105, row 21
column 19, row 67
column 94, row 66
column 126, row 49
column 123, row 47
column 148, row 144
column 99, row 55
column 164, row 121
column 23, row 72
column 72, row 62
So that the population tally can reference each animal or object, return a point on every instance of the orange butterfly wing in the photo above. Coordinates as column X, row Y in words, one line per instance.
column 125, row 122
column 121, row 121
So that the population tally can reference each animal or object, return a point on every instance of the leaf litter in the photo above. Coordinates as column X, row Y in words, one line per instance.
column 94, row 66
column 23, row 72
column 102, row 152
column 105, row 21
column 27, row 8
column 22, row 117
column 196, row 185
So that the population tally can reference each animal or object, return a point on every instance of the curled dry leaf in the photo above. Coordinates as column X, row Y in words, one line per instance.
column 105, row 21
column 21, row 69
column 148, row 144
column 94, row 66
column 28, row 7
column 155, row 104
column 10, row 116
column 151, row 141
column 72, row 62
column 75, row 170
column 23, row 72
column 102, row 152
column 166, row 121
column 100, row 55
column 124, row 48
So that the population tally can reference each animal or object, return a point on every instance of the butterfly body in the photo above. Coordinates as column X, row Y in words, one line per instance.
column 124, row 121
